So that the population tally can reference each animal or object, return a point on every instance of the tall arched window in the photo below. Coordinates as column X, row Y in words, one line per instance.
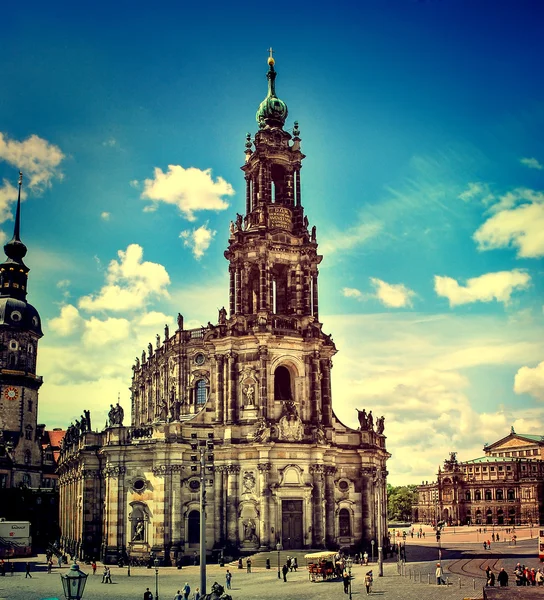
column 282, row 384
column 193, row 527
column 477, row 495
column 200, row 392
column 499, row 495
column 511, row 495
column 467, row 496
column 344, row 522
column 488, row 494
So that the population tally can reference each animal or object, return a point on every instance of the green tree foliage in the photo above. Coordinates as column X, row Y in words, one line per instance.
column 400, row 500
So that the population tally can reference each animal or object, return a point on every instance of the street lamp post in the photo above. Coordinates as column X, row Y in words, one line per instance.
column 73, row 583
column 278, row 548
column 379, row 488
column 156, row 563
column 372, row 542
column 349, row 563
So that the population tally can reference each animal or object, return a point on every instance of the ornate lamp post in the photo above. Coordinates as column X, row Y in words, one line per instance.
column 156, row 563
column 278, row 548
column 73, row 583
column 349, row 563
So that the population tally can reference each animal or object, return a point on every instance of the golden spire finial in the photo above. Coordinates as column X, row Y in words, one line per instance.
column 271, row 60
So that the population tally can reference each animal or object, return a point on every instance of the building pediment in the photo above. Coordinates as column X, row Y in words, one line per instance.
column 515, row 440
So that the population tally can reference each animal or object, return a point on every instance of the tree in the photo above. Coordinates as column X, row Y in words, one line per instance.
column 400, row 500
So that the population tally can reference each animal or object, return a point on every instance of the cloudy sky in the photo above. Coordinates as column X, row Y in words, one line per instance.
column 422, row 124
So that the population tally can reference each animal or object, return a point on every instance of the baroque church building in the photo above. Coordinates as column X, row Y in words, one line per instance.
column 240, row 409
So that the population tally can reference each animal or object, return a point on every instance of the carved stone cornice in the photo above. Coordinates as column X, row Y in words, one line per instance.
column 114, row 471
column 91, row 473
column 161, row 470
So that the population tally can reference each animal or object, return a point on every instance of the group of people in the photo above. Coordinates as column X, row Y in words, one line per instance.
column 528, row 576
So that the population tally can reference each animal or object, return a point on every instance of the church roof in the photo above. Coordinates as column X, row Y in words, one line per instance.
column 494, row 459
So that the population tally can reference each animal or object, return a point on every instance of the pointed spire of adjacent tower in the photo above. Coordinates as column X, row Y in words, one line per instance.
column 272, row 111
column 15, row 249
column 13, row 271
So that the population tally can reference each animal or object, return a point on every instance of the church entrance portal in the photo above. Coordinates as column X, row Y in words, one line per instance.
column 291, row 524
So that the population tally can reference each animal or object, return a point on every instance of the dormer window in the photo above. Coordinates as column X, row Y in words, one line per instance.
column 13, row 345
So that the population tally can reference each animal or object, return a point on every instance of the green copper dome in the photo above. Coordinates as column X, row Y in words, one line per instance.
column 272, row 111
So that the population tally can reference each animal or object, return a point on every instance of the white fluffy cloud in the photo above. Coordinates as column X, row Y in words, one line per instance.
column 68, row 322
column 530, row 381
column 497, row 286
column 130, row 283
column 352, row 293
column 105, row 216
column 105, row 332
column 189, row 189
column 532, row 163
column 517, row 220
column 337, row 241
column 394, row 295
column 198, row 240
column 35, row 157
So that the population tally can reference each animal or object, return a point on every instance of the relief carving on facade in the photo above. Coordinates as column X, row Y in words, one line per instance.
column 290, row 427
column 249, row 482
column 114, row 471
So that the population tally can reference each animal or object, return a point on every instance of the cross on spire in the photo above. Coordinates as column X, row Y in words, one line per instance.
column 271, row 52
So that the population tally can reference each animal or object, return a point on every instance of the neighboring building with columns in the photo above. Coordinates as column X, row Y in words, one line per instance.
column 503, row 487
column 253, row 389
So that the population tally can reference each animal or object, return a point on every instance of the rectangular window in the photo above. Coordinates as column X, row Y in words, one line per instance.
column 491, row 468
column 29, row 405
column 484, row 469
column 500, row 468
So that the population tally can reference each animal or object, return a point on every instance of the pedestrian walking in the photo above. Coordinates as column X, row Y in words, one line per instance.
column 186, row 590
column 49, row 566
column 368, row 582
column 2, row 568
column 197, row 594
column 439, row 575
column 93, row 566
column 28, row 571
column 178, row 596
column 285, row 570
column 502, row 578
column 345, row 581
column 228, row 579
column 365, row 557
column 248, row 565
column 108, row 575
column 148, row 595
column 295, row 564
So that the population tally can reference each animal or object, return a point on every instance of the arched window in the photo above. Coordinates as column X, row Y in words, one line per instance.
column 200, row 392
column 511, row 495
column 488, row 494
column 277, row 174
column 344, row 522
column 193, row 527
column 500, row 495
column 467, row 496
column 477, row 495
column 27, row 481
column 282, row 384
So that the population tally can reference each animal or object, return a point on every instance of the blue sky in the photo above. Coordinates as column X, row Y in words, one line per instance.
column 421, row 122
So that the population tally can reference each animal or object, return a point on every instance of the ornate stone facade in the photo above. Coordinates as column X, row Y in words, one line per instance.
column 253, row 389
column 504, row 487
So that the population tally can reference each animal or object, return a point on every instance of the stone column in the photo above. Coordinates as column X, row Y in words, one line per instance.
column 232, row 504
column 297, row 187
column 232, row 290
column 315, row 397
column 176, row 513
column 329, row 505
column 262, row 286
column 248, row 195
column 306, row 292
column 316, row 300
column 326, row 405
column 263, row 390
column 318, row 513
column 219, row 501
column 238, row 286
column 264, row 522
column 232, row 401
column 219, row 406
column 115, row 521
